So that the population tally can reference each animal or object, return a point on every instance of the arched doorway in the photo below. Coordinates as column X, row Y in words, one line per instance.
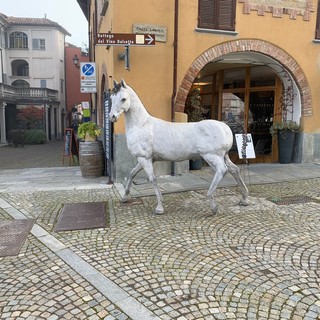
column 244, row 88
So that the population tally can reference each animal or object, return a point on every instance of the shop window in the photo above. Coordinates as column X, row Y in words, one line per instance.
column 18, row 40
column 217, row 14
column 234, row 78
column 262, row 76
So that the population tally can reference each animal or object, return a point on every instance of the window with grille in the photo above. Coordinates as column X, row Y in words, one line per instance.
column 38, row 44
column 217, row 14
column 18, row 40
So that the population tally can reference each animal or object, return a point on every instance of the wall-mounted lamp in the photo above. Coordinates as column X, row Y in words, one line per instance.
column 75, row 60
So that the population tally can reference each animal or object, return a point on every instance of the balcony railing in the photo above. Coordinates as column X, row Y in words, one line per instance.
column 27, row 95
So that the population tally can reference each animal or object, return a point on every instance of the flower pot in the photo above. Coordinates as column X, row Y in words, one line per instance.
column 89, row 138
column 91, row 158
column 285, row 145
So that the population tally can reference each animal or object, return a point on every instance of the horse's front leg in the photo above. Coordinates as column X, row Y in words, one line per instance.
column 148, row 168
column 133, row 173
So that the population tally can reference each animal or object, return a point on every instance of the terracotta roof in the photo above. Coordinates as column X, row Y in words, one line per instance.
column 33, row 22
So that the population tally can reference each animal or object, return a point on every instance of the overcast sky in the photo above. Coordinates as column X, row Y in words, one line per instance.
column 65, row 12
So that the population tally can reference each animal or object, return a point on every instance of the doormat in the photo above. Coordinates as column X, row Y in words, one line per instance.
column 281, row 201
column 82, row 216
column 13, row 234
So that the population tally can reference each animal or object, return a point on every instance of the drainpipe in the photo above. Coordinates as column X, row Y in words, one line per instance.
column 175, row 62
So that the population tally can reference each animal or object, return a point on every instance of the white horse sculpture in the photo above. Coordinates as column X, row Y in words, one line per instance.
column 150, row 139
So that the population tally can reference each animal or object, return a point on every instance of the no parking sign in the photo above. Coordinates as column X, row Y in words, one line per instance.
column 88, row 79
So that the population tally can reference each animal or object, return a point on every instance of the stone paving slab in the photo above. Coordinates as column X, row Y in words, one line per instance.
column 40, row 179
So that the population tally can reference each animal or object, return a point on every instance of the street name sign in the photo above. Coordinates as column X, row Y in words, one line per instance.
column 125, row 39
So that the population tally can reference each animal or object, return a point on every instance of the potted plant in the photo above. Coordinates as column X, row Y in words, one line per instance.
column 196, row 112
column 285, row 132
column 89, row 131
column 91, row 155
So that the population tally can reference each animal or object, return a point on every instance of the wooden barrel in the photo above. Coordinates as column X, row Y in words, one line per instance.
column 91, row 158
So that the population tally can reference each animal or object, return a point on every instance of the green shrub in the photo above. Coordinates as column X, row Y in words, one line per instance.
column 36, row 136
column 16, row 137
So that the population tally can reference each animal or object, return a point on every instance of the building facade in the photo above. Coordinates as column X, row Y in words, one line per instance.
column 75, row 99
column 32, row 72
column 256, row 62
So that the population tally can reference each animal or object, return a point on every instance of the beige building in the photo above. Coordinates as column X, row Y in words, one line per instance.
column 255, row 61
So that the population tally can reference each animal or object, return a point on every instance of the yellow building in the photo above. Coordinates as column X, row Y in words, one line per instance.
column 256, row 62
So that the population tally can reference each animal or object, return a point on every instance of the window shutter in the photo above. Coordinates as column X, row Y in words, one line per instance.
column 226, row 14
column 217, row 14
column 206, row 14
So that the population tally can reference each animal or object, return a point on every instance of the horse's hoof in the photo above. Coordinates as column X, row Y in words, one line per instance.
column 244, row 203
column 214, row 210
column 124, row 199
column 159, row 211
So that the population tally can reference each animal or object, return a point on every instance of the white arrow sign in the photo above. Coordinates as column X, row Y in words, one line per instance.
column 149, row 39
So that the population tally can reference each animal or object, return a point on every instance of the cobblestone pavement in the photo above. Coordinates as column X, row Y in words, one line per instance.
column 255, row 262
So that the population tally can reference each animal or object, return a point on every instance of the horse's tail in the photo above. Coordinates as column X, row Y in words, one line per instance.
column 230, row 165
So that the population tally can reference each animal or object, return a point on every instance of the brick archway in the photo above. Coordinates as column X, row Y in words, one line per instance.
column 247, row 45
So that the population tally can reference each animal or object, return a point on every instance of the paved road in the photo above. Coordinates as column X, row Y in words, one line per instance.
column 32, row 156
column 255, row 262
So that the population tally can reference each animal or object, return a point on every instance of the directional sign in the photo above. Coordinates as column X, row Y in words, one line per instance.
column 125, row 39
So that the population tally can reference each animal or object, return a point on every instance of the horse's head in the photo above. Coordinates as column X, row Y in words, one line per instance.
column 120, row 100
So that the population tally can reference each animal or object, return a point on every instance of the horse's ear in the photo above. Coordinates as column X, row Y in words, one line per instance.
column 124, row 85
column 115, row 83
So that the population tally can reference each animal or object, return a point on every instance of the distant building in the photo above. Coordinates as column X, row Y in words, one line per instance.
column 75, row 99
column 32, row 72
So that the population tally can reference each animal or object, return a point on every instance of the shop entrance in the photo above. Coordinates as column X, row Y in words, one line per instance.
column 246, row 99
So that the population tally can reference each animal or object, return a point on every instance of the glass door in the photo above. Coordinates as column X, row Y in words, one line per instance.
column 260, row 118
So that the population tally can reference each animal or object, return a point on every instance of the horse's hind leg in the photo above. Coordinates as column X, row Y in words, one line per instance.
column 234, row 170
column 133, row 173
column 148, row 168
column 218, row 165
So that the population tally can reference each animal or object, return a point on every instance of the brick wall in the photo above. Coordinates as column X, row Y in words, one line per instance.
column 245, row 45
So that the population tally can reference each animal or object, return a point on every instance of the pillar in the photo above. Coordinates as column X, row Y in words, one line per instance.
column 3, row 122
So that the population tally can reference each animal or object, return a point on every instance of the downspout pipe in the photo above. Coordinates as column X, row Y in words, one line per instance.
column 175, row 63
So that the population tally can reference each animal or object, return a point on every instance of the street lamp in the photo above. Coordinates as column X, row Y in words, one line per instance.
column 75, row 60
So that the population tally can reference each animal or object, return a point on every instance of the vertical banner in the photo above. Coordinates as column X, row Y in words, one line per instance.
column 86, row 115
column 108, row 132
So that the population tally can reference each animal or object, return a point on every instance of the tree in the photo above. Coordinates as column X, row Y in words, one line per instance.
column 32, row 117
